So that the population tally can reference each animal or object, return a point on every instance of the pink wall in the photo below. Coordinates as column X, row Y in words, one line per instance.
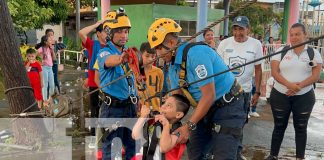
column 105, row 6
column 293, row 14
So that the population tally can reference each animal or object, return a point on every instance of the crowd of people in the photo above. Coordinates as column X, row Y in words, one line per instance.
column 221, row 104
column 43, row 74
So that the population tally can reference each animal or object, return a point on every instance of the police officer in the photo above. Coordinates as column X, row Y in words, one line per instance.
column 216, row 124
column 120, row 97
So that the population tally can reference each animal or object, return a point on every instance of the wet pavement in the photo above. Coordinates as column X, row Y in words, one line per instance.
column 257, row 133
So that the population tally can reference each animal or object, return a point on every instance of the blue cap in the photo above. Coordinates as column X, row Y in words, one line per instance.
column 241, row 21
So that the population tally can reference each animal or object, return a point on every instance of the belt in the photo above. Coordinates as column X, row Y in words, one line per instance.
column 230, row 97
column 236, row 132
column 115, row 102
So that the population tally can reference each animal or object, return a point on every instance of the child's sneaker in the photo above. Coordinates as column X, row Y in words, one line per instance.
column 254, row 114
column 55, row 101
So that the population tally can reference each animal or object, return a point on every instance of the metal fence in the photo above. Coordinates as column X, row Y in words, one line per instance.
column 69, row 57
column 272, row 48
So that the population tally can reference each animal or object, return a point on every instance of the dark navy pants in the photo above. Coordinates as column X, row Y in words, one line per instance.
column 204, row 142
column 124, row 134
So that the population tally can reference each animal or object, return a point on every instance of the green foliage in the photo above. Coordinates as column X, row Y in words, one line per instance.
column 182, row 3
column 83, row 3
column 33, row 14
column 27, row 14
column 73, row 45
column 259, row 16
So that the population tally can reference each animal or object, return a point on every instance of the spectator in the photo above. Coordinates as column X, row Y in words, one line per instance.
column 47, row 55
column 209, row 38
column 35, row 75
column 293, row 90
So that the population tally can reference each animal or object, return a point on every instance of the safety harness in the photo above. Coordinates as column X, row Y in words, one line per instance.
column 183, row 73
column 230, row 97
column 150, row 146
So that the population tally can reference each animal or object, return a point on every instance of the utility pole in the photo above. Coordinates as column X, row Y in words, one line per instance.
column 202, row 10
column 77, row 3
column 226, row 5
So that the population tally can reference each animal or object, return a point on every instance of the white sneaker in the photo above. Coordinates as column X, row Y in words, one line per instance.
column 79, row 68
column 254, row 114
column 92, row 144
column 249, row 116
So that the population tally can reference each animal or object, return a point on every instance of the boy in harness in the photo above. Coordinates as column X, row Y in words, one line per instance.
column 164, row 147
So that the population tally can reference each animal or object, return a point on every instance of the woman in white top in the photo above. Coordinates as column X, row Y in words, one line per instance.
column 293, row 91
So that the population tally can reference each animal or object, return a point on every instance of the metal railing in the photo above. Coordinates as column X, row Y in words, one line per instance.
column 67, row 54
column 269, row 49
column 272, row 48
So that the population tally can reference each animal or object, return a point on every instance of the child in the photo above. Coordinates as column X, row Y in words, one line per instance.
column 47, row 55
column 154, row 77
column 171, row 112
column 35, row 75
column 83, row 57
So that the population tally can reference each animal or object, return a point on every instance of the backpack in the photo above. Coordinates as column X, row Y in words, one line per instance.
column 310, row 52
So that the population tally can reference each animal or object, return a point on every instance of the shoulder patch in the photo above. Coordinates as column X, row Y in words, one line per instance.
column 201, row 71
column 104, row 53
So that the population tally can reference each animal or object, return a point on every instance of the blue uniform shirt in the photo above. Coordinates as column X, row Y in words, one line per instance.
column 202, row 62
column 119, row 89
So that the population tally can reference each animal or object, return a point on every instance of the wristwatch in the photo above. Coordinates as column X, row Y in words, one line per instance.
column 258, row 93
column 192, row 126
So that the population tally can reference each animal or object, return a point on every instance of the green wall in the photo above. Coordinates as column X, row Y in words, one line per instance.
column 183, row 12
column 141, row 19
column 143, row 15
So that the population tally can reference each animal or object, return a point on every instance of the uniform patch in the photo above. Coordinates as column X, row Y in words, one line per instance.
column 237, row 61
column 104, row 53
column 201, row 71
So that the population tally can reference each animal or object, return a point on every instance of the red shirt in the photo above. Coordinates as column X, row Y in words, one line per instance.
column 91, row 74
column 33, row 72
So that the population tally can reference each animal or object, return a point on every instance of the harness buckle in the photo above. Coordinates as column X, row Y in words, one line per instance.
column 107, row 100
column 227, row 101
column 216, row 128
column 183, row 82
column 133, row 99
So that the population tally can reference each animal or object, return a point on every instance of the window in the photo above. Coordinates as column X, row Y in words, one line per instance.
column 188, row 28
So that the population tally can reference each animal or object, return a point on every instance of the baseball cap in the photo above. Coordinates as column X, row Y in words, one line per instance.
column 241, row 21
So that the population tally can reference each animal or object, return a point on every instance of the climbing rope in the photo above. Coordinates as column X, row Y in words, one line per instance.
column 158, row 94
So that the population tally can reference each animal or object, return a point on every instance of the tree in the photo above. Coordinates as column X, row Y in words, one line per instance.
column 27, row 14
column 19, row 93
column 83, row 3
column 182, row 3
column 33, row 14
column 260, row 17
